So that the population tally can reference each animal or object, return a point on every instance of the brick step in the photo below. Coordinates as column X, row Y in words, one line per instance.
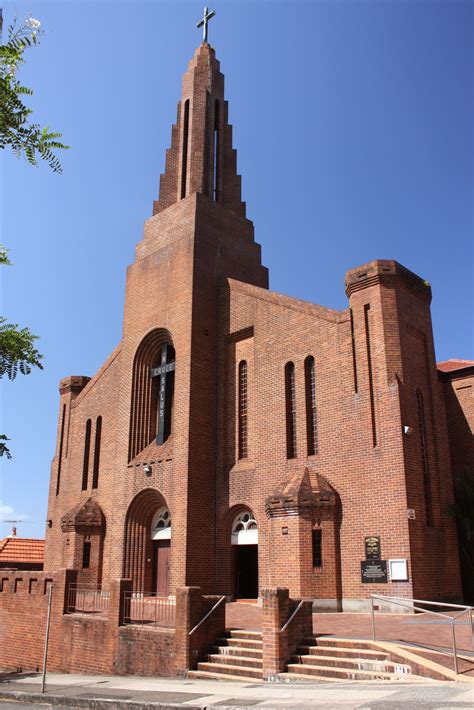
column 346, row 643
column 206, row 675
column 245, row 634
column 222, row 668
column 322, row 671
column 342, row 652
column 237, row 651
column 235, row 660
column 351, row 663
column 244, row 643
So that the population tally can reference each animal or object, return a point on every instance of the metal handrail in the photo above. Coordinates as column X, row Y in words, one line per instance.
column 206, row 616
column 286, row 624
column 410, row 604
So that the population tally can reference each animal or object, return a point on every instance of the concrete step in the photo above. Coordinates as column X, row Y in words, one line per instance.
column 240, row 642
column 321, row 671
column 237, row 651
column 235, row 660
column 345, row 643
column 206, row 675
column 351, row 663
column 245, row 634
column 343, row 652
column 222, row 668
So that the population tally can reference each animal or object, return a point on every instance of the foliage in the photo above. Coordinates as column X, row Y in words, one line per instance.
column 17, row 352
column 24, row 138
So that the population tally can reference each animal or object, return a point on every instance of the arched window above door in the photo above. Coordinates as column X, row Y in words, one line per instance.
column 161, row 525
column 244, row 529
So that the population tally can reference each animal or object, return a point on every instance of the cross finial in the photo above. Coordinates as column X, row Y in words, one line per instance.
column 203, row 23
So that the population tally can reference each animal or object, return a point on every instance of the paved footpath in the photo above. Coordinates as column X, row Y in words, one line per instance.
column 127, row 693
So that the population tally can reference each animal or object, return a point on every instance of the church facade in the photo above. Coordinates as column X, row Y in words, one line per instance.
column 239, row 439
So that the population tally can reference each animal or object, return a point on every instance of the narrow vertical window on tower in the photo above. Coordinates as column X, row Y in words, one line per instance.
column 60, row 455
column 424, row 458
column 290, row 403
column 184, row 161
column 87, row 448
column 243, row 410
column 311, row 414
column 98, row 436
column 215, row 173
column 317, row 547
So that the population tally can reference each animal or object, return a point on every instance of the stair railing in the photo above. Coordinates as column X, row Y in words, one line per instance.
column 292, row 616
column 411, row 604
column 206, row 616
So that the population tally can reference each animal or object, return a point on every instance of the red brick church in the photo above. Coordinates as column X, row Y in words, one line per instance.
column 238, row 439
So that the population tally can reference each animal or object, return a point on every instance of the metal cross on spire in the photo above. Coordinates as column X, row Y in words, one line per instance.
column 203, row 23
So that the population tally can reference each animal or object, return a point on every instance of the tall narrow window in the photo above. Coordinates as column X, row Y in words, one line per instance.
column 184, row 162
column 86, row 554
column 290, row 401
column 87, row 448
column 317, row 547
column 215, row 175
column 370, row 373
column 424, row 458
column 243, row 410
column 311, row 415
column 354, row 359
column 95, row 471
column 61, row 442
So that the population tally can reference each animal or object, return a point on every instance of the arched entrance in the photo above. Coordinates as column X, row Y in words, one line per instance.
column 147, row 543
column 244, row 540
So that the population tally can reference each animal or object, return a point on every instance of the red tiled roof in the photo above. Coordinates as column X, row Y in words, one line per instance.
column 21, row 549
column 450, row 365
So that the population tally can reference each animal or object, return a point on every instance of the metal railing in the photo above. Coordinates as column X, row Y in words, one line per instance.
column 292, row 616
column 148, row 609
column 87, row 599
column 207, row 615
column 451, row 619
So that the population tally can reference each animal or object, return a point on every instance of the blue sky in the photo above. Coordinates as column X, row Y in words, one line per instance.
column 353, row 123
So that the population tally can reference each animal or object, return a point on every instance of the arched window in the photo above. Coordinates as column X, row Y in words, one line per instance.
column 152, row 392
column 243, row 410
column 424, row 458
column 184, row 162
column 215, row 172
column 244, row 529
column 290, row 403
column 87, row 448
column 98, row 436
column 311, row 414
column 161, row 525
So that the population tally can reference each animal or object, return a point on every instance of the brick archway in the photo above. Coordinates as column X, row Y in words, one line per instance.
column 138, row 543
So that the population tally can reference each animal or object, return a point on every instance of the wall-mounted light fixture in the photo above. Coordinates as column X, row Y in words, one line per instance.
column 147, row 469
column 407, row 430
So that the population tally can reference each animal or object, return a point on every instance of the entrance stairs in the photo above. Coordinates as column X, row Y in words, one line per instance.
column 238, row 656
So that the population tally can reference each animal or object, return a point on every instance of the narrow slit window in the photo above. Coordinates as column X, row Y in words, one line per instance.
column 370, row 374
column 243, row 410
column 184, row 162
column 290, row 397
column 311, row 413
column 98, row 436
column 354, row 358
column 87, row 448
column 60, row 456
column 86, row 554
column 215, row 173
column 317, row 547
column 424, row 458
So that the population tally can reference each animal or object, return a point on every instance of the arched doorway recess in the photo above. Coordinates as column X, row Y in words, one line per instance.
column 148, row 543
column 244, row 540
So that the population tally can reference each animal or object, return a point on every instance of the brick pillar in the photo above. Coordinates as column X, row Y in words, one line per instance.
column 276, row 605
column 188, row 613
column 117, row 601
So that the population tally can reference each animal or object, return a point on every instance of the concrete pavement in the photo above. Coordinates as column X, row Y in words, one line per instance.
column 100, row 692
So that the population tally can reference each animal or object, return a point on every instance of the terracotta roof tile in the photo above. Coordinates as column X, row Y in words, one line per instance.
column 451, row 365
column 21, row 549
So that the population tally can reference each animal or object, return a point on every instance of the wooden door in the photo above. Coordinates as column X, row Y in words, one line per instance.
column 162, row 568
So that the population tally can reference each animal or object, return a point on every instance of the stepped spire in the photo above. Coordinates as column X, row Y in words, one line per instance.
column 201, row 158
